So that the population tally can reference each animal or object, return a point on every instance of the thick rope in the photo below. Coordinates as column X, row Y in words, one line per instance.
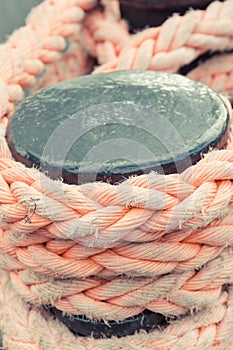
column 216, row 73
column 206, row 330
column 179, row 41
column 162, row 243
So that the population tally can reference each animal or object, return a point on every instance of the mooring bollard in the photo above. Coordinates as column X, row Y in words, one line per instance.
column 106, row 128
column 116, row 189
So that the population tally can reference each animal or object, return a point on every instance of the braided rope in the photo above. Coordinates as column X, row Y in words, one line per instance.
column 218, row 73
column 178, row 41
column 170, row 235
column 207, row 331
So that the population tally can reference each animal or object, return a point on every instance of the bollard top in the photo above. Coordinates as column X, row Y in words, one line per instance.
column 111, row 126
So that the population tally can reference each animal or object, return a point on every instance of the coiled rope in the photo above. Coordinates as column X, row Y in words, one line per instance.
column 162, row 243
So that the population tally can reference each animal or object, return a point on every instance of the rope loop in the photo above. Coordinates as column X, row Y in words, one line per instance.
column 153, row 242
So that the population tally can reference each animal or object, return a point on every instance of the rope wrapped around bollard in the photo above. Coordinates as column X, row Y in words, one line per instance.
column 54, row 257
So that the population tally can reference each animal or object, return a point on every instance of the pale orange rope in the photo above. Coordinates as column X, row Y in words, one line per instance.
column 179, row 41
column 162, row 243
column 216, row 72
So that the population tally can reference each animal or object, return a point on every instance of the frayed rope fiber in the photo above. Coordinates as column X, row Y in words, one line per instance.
column 105, row 251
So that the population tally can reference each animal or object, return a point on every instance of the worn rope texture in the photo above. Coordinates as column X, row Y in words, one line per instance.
column 179, row 41
column 162, row 243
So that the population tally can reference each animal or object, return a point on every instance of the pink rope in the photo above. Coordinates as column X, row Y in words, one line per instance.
column 178, row 41
column 75, row 251
column 218, row 73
